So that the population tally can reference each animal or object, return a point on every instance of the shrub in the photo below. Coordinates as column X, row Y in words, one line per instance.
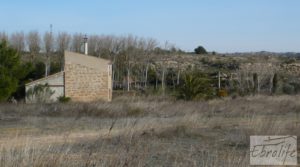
column 275, row 83
column 290, row 61
column 11, row 71
column 64, row 99
column 222, row 93
column 133, row 112
column 200, row 50
column 195, row 85
column 296, row 86
column 288, row 89
column 39, row 94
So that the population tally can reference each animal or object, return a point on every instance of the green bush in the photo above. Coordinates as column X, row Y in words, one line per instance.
column 275, row 83
column 64, row 99
column 40, row 93
column 200, row 50
column 290, row 61
column 11, row 71
column 296, row 86
column 195, row 85
column 288, row 89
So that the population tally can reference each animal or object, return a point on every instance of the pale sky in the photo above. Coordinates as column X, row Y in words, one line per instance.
column 218, row 25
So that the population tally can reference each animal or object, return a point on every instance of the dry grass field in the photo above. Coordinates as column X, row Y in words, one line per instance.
column 152, row 131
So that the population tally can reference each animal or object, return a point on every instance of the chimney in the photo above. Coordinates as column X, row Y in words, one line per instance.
column 85, row 45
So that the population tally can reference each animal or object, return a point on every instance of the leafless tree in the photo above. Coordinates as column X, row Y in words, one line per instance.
column 17, row 41
column 77, row 39
column 264, row 72
column 3, row 36
column 151, row 44
column 103, row 45
column 92, row 47
column 63, row 43
column 49, row 47
column 33, row 42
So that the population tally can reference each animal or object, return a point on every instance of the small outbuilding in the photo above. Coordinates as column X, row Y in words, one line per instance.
column 84, row 79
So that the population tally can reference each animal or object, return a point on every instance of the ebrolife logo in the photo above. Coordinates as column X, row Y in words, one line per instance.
column 273, row 150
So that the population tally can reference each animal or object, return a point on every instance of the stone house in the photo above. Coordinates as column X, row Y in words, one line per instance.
column 84, row 79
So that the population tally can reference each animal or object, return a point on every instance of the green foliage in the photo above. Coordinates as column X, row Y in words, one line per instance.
column 296, row 86
column 195, row 85
column 64, row 99
column 20, row 92
column 38, row 71
column 255, row 80
column 290, row 61
column 288, row 89
column 11, row 70
column 275, row 83
column 55, row 68
column 39, row 94
column 200, row 50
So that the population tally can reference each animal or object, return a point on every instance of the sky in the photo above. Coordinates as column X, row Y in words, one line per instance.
column 218, row 25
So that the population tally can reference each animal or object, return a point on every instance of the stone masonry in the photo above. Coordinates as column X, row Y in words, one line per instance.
column 87, row 78
column 84, row 79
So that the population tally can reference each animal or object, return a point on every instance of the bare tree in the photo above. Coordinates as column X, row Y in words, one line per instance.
column 63, row 43
column 3, row 36
column 77, row 42
column 92, row 47
column 33, row 42
column 150, row 46
column 49, row 46
column 17, row 41
column 263, row 72
column 104, row 46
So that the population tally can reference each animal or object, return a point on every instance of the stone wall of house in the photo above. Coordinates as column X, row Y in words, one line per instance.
column 83, row 83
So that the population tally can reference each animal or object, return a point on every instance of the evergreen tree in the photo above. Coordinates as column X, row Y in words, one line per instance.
column 200, row 50
column 275, row 83
column 255, row 82
column 10, row 71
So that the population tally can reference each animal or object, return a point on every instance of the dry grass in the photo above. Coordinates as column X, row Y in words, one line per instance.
column 142, row 131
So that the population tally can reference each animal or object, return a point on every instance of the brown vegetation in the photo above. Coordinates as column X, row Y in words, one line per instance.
column 152, row 131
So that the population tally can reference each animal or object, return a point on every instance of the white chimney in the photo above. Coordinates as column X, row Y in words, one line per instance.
column 85, row 45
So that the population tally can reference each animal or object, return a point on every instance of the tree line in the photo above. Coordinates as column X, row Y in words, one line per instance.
column 131, row 56
column 138, row 64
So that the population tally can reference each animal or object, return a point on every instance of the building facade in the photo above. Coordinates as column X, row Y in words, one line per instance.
column 84, row 79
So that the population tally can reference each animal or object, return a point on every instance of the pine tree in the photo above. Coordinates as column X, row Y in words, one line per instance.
column 275, row 83
column 10, row 71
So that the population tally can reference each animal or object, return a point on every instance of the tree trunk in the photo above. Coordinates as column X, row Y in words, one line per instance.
column 178, row 77
column 128, row 82
column 271, row 83
column 163, row 81
column 258, row 84
column 47, row 65
column 219, row 80
column 146, row 75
